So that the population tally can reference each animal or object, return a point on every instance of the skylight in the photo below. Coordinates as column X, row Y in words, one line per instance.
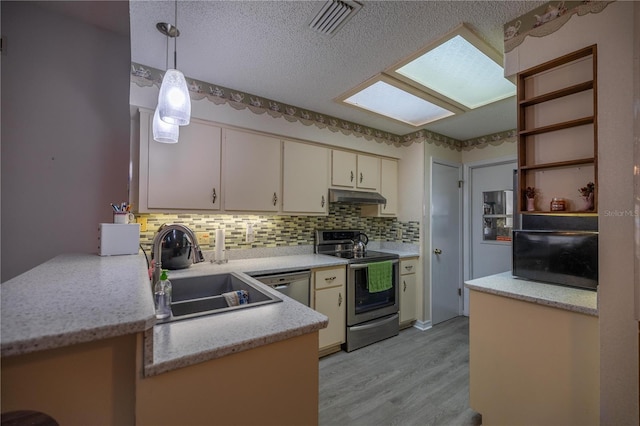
column 455, row 74
column 461, row 72
column 383, row 98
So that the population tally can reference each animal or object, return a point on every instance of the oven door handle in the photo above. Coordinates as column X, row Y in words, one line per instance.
column 366, row 265
column 376, row 323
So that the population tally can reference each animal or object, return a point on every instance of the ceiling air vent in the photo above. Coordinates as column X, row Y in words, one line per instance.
column 332, row 15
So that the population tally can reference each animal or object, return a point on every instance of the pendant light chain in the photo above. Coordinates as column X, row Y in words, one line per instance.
column 175, row 39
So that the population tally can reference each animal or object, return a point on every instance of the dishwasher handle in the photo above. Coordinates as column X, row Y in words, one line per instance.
column 284, row 278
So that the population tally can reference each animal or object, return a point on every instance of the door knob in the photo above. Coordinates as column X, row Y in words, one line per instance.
column 437, row 251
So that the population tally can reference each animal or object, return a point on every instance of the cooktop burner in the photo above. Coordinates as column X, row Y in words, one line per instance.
column 339, row 243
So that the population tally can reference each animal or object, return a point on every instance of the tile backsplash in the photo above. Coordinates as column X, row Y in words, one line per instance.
column 281, row 231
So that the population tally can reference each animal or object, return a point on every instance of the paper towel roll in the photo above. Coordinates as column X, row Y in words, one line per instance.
column 219, row 245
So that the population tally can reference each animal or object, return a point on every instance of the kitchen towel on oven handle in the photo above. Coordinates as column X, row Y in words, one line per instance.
column 379, row 276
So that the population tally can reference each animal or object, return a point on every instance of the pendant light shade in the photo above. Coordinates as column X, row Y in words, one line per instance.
column 174, row 102
column 163, row 131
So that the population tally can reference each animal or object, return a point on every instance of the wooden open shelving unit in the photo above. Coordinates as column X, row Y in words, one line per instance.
column 557, row 131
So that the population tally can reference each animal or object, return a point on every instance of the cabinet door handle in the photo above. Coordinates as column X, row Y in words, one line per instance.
column 339, row 299
column 351, row 175
column 214, row 197
column 322, row 202
column 361, row 177
column 330, row 278
column 437, row 251
column 275, row 199
column 405, row 285
column 408, row 268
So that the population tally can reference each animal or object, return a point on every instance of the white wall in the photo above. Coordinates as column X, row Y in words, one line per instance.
column 508, row 148
column 65, row 133
column 613, row 31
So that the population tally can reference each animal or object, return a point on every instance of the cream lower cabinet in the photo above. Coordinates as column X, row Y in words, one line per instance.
column 408, row 289
column 305, row 178
column 330, row 300
column 251, row 169
column 185, row 175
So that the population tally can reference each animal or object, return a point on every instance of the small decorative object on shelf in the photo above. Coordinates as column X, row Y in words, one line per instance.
column 530, row 193
column 587, row 193
column 558, row 205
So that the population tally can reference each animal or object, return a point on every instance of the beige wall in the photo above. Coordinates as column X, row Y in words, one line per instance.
column 618, row 327
column 84, row 384
column 275, row 384
column 507, row 148
column 532, row 364
column 65, row 132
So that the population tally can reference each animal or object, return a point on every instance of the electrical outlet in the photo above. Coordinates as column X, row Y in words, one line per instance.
column 203, row 238
column 250, row 236
column 399, row 234
column 143, row 223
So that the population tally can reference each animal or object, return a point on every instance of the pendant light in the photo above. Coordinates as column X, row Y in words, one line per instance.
column 162, row 131
column 174, row 102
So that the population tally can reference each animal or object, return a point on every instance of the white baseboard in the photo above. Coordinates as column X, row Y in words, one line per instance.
column 422, row 325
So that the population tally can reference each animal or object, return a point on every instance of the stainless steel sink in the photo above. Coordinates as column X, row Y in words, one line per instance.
column 199, row 296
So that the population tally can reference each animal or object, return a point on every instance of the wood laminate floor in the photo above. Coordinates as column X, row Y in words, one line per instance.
column 416, row 378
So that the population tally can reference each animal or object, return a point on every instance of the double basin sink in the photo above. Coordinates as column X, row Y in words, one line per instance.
column 204, row 295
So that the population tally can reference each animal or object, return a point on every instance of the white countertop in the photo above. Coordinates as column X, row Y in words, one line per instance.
column 505, row 284
column 75, row 298
column 79, row 298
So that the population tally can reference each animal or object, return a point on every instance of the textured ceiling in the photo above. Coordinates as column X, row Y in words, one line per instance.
column 265, row 48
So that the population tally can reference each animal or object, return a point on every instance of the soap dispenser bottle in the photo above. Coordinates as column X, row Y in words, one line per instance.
column 162, row 296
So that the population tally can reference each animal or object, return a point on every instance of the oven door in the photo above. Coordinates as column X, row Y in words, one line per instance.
column 364, row 306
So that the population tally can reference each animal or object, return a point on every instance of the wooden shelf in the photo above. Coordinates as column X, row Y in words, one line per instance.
column 568, row 163
column 557, row 126
column 561, row 213
column 581, row 87
column 558, row 79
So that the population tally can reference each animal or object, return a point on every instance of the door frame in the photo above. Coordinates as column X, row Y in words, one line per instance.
column 459, row 166
column 467, row 255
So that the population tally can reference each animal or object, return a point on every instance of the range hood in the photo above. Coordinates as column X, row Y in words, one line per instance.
column 355, row 197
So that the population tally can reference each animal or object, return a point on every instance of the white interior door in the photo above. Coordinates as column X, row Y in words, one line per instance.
column 446, row 265
column 486, row 257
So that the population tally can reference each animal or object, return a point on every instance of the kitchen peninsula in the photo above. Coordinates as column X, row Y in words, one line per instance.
column 80, row 330
column 534, row 356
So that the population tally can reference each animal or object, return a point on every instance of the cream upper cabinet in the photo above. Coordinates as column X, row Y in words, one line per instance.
column 343, row 168
column 388, row 189
column 251, row 168
column 389, row 186
column 352, row 170
column 185, row 175
column 305, row 178
column 368, row 176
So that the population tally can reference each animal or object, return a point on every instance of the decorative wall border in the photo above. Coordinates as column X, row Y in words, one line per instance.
column 546, row 19
column 145, row 76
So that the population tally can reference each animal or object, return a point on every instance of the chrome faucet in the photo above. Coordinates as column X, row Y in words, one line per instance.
column 196, row 254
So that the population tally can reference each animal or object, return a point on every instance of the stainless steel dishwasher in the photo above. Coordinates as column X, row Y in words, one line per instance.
column 293, row 284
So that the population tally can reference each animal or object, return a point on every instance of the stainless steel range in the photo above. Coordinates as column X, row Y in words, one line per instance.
column 372, row 307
